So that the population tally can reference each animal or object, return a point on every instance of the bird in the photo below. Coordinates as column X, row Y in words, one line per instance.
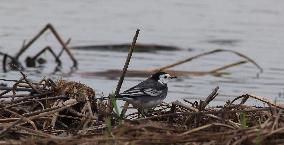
column 149, row 93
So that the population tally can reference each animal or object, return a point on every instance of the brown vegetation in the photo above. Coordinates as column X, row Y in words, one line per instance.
column 68, row 113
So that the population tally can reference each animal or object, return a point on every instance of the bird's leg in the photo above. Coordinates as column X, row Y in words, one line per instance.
column 141, row 112
column 146, row 112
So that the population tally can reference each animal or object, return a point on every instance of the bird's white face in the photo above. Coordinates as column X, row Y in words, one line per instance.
column 164, row 78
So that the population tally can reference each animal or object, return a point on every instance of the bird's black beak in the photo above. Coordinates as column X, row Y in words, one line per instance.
column 173, row 77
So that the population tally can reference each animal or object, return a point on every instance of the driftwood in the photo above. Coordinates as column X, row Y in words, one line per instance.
column 60, row 40
column 139, row 47
column 13, row 62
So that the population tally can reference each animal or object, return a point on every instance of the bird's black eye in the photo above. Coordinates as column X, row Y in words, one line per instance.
column 165, row 76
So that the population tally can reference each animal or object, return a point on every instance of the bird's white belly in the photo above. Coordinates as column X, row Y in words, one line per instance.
column 142, row 104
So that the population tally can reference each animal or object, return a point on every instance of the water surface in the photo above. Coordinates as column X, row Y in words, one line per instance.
column 252, row 27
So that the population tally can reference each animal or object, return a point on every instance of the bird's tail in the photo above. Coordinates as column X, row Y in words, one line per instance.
column 117, row 97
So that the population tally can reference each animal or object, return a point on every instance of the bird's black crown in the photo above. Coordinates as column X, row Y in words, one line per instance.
column 156, row 76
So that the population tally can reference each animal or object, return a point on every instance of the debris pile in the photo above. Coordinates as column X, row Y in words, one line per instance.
column 65, row 112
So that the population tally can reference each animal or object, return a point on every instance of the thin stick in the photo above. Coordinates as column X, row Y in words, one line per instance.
column 62, row 50
column 228, row 66
column 89, row 106
column 63, row 44
column 204, row 54
column 23, row 118
column 65, row 105
column 125, row 68
column 27, row 98
column 126, row 63
column 204, row 112
column 119, row 84
column 124, row 109
column 29, row 83
column 55, row 33
column 16, row 89
column 26, row 46
column 36, row 132
column 4, row 92
column 11, row 126
column 7, row 80
column 48, row 48
column 205, row 126
column 262, row 99
column 49, row 98
column 209, row 98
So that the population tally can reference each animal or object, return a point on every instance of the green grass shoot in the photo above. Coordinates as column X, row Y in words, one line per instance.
column 114, row 104
column 109, row 126
column 258, row 138
column 243, row 120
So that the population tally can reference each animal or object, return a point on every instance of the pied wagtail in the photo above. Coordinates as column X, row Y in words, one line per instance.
column 149, row 93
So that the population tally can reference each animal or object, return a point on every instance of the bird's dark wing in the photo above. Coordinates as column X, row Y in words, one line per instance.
column 153, row 92
column 143, row 89
column 135, row 92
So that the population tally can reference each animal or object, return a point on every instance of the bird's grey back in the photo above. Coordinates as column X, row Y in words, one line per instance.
column 149, row 84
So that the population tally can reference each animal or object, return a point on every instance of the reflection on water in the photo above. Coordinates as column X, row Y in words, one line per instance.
column 253, row 27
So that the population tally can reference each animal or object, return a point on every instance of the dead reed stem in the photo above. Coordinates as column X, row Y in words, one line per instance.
column 57, row 36
column 127, row 61
column 119, row 84
column 204, row 54
column 41, row 114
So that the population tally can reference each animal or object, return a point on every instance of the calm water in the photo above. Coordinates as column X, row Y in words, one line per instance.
column 253, row 27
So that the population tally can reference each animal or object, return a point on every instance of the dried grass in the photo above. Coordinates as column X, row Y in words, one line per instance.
column 68, row 113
